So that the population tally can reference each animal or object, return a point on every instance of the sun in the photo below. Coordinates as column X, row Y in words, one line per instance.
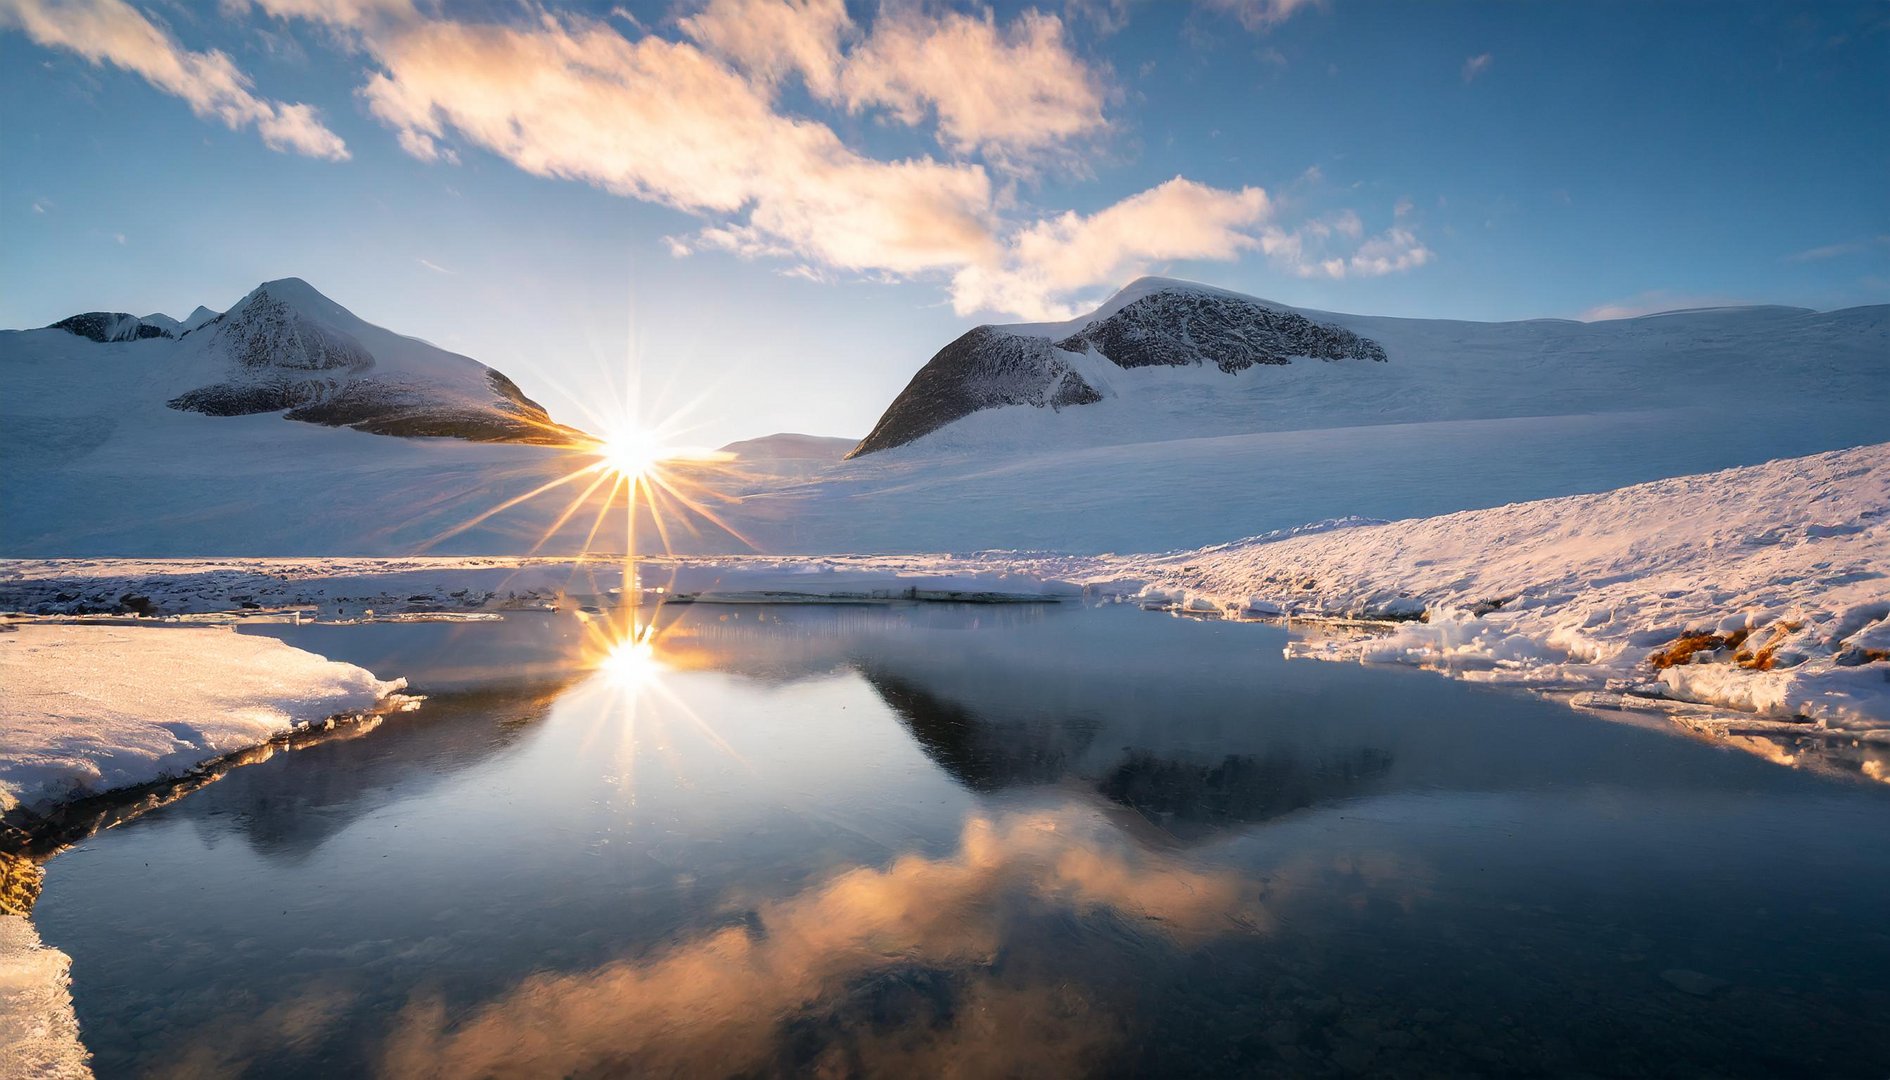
column 632, row 454
column 630, row 662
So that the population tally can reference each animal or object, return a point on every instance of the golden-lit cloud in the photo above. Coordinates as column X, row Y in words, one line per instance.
column 1006, row 91
column 771, row 40
column 713, row 1005
column 666, row 122
column 696, row 117
column 113, row 32
column 1061, row 256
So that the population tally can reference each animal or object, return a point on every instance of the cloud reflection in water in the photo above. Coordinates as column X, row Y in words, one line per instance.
column 729, row 1001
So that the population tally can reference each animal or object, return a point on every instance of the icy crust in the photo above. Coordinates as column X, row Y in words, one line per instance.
column 39, row 1032
column 364, row 588
column 90, row 708
column 1762, row 589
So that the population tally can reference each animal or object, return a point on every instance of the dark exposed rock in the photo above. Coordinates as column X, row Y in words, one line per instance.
column 984, row 368
column 387, row 407
column 1176, row 328
column 110, row 326
column 283, row 360
column 248, row 398
column 1172, row 327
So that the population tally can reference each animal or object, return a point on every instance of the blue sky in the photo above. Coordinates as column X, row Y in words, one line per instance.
column 783, row 208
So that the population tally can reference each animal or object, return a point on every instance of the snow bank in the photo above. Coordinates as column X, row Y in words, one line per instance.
column 89, row 709
column 1766, row 589
column 39, row 1034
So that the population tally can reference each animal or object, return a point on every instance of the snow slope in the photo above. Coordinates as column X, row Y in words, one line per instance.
column 1155, row 323
column 92, row 708
column 1461, row 415
column 1774, row 579
column 1437, row 370
column 96, row 458
column 1779, row 573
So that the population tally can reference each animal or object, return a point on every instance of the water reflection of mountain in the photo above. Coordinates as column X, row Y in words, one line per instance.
column 981, row 755
column 1171, row 788
column 288, row 807
column 1241, row 787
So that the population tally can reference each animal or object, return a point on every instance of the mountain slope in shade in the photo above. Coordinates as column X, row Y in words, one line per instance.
column 109, row 326
column 287, row 348
column 1153, row 323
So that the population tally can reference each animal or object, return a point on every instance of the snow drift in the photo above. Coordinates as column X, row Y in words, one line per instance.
column 90, row 709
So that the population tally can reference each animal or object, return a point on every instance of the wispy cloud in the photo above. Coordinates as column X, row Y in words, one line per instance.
column 1835, row 251
column 433, row 266
column 1007, row 92
column 1060, row 257
column 1260, row 15
column 1335, row 246
column 1476, row 65
column 113, row 32
column 1653, row 302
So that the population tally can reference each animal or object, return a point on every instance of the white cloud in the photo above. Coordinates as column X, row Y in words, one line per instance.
column 1047, row 264
column 1834, row 251
column 431, row 265
column 1393, row 251
column 664, row 121
column 697, row 123
column 1006, row 92
column 1010, row 92
column 113, row 32
column 772, row 39
column 1652, row 302
column 1476, row 65
column 1319, row 248
column 1260, row 15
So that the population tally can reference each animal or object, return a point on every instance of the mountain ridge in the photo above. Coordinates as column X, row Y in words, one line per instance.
column 287, row 348
column 1150, row 323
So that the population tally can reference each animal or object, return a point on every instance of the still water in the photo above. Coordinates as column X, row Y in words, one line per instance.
column 977, row 841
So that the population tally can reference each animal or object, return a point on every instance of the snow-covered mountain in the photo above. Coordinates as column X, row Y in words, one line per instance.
column 1166, row 359
column 1198, row 435
column 261, row 429
column 285, row 348
column 1154, row 323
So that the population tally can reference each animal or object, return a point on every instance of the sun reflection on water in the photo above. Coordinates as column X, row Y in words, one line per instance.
column 629, row 701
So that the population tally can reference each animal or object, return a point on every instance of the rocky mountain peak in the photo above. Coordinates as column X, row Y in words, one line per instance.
column 1153, row 322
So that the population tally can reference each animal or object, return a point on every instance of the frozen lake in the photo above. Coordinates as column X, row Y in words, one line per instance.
column 1040, row 840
